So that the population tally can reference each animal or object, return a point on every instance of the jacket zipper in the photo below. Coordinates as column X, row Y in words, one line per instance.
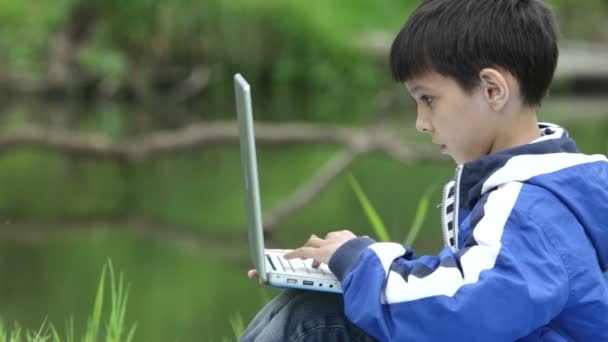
column 444, row 222
column 457, row 205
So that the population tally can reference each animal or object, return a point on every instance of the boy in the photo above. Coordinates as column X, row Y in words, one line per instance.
column 525, row 218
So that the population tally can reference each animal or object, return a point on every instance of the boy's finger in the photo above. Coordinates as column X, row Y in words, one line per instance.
column 254, row 274
column 301, row 253
column 314, row 241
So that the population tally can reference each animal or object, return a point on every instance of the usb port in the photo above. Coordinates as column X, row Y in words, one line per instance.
column 292, row 281
column 308, row 282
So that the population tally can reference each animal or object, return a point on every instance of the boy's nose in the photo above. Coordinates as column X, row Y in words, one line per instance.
column 422, row 125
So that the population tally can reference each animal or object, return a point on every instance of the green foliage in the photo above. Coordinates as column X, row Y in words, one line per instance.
column 115, row 325
column 31, row 27
column 303, row 57
column 110, row 63
column 293, row 52
column 582, row 21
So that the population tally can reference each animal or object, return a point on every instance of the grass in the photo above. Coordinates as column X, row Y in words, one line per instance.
column 116, row 328
column 238, row 327
column 377, row 223
column 373, row 217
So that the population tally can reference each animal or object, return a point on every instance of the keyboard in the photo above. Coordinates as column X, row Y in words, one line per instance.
column 296, row 266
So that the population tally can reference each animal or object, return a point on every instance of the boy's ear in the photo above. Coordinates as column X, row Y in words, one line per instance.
column 495, row 88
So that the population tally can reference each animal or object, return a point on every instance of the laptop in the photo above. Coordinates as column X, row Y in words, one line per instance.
column 273, row 269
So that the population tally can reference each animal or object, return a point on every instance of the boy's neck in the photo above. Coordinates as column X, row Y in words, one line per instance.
column 518, row 128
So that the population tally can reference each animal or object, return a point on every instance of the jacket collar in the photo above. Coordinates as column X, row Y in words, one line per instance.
column 473, row 175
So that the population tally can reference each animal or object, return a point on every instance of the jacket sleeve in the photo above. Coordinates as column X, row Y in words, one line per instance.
column 506, row 282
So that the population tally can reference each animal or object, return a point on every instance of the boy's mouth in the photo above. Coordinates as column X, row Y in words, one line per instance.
column 444, row 149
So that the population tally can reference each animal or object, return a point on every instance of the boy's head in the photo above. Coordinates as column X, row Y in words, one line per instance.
column 470, row 64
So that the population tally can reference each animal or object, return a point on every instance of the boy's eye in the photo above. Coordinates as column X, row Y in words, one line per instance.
column 427, row 99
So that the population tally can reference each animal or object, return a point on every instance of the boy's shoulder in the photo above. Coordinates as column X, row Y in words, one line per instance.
column 564, row 195
column 539, row 183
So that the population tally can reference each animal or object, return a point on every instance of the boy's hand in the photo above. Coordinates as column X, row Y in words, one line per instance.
column 321, row 250
column 252, row 274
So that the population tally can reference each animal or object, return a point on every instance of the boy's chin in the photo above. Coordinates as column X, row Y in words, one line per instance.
column 444, row 151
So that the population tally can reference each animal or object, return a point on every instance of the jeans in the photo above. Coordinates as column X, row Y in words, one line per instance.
column 300, row 316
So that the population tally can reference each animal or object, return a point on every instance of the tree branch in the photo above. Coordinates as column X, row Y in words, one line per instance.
column 308, row 191
column 335, row 167
column 356, row 141
column 151, row 145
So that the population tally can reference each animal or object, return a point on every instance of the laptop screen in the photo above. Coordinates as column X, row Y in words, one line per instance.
column 250, row 174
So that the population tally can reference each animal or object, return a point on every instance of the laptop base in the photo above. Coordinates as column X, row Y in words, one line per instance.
column 288, row 281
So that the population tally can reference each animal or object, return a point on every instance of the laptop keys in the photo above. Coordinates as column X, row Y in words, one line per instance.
column 303, row 266
column 280, row 264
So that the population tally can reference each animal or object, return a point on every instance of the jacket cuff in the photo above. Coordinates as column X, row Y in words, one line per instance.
column 347, row 256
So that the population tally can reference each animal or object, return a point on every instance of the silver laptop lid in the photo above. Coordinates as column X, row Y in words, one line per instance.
column 249, row 164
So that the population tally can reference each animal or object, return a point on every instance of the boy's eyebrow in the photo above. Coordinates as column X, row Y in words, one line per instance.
column 416, row 90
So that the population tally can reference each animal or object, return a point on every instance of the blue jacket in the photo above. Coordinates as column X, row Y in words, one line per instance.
column 526, row 233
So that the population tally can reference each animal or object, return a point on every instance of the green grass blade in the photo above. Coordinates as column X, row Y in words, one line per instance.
column 111, row 327
column 370, row 212
column 95, row 320
column 2, row 331
column 15, row 334
column 115, row 326
column 69, row 328
column 39, row 335
column 237, row 325
column 421, row 214
column 119, row 297
column 56, row 337
column 121, row 308
column 131, row 333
